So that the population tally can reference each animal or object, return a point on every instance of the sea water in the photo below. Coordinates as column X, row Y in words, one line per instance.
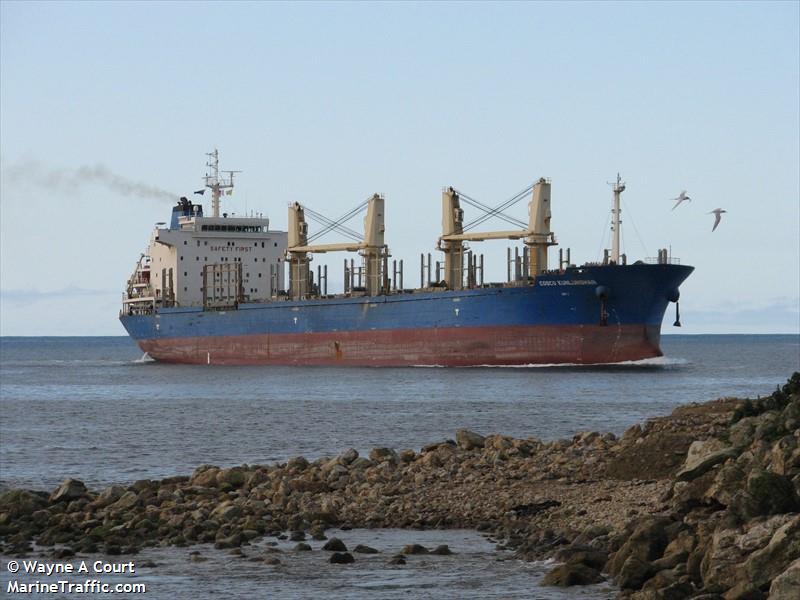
column 95, row 409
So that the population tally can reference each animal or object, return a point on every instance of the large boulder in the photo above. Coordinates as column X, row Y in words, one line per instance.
column 109, row 496
column 234, row 477
column 765, row 493
column 468, row 440
column 348, row 456
column 703, row 455
column 570, row 574
column 297, row 464
column 204, row 476
column 70, row 489
column 785, row 456
column 127, row 501
column 786, row 586
column 728, row 482
column 414, row 549
column 379, row 455
column 731, row 550
column 226, row 511
column 767, row 563
column 341, row 558
column 646, row 543
column 334, row 545
column 634, row 572
column 18, row 503
column 579, row 554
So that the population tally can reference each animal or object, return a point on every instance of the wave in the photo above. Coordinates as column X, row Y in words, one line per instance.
column 656, row 361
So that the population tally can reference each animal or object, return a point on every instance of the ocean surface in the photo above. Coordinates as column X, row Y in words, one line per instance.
column 97, row 410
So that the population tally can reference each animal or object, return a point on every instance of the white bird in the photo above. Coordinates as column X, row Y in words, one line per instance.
column 680, row 199
column 718, row 212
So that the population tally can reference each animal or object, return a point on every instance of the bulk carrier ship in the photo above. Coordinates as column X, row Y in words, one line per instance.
column 211, row 290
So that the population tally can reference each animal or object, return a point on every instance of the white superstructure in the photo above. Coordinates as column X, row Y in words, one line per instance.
column 208, row 262
column 201, row 242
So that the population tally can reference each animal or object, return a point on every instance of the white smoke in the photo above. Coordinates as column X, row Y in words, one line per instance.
column 32, row 172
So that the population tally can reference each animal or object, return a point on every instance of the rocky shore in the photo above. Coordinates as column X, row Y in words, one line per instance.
column 703, row 503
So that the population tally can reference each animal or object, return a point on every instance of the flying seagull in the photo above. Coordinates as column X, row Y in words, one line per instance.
column 680, row 199
column 718, row 216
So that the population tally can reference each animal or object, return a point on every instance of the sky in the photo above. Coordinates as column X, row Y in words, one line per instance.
column 107, row 111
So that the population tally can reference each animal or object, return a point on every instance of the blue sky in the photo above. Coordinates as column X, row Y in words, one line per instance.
column 327, row 103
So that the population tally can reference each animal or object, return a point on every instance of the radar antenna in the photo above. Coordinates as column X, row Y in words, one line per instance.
column 217, row 183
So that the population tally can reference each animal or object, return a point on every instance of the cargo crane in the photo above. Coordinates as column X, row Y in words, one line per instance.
column 371, row 247
column 536, row 233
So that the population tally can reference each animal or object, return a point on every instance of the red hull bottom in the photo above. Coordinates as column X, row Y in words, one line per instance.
column 452, row 347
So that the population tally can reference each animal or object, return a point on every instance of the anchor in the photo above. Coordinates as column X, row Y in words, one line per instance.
column 677, row 322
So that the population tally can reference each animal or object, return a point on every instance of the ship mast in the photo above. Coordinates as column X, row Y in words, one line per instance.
column 216, row 183
column 616, row 222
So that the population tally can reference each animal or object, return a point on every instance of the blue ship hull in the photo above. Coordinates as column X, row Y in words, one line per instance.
column 593, row 314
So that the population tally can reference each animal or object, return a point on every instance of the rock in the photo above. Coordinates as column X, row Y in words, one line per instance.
column 360, row 463
column 109, row 496
column 771, row 493
column 70, row 489
column 744, row 591
column 234, row 477
column 768, row 427
column 646, row 543
column 680, row 590
column 272, row 560
column 297, row 536
column 572, row 574
column 786, row 586
column 469, row 440
column 414, row 549
column 379, row 455
column 785, row 456
column 728, row 482
column 634, row 573
column 126, row 502
column 741, row 433
column 586, row 555
column 302, row 547
column 297, row 464
column 407, row 456
column 348, row 456
column 362, row 549
column 17, row 503
column 61, row 553
column 702, row 456
column 526, row 510
column 670, row 561
column 442, row 550
column 684, row 541
column 765, row 564
column 204, row 476
column 231, row 541
column 754, row 553
column 397, row 560
column 335, row 545
column 227, row 511
column 341, row 558
column 687, row 495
